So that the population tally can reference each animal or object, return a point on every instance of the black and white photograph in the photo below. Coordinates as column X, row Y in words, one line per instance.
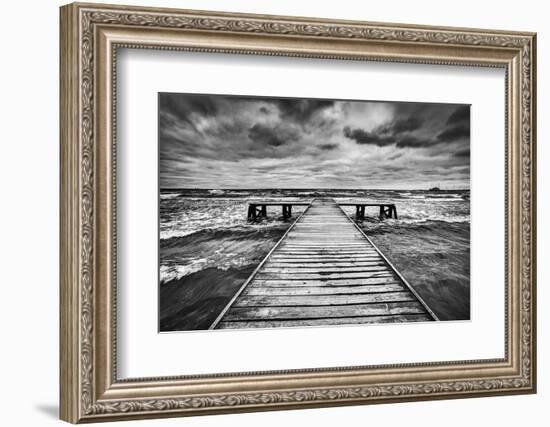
column 294, row 212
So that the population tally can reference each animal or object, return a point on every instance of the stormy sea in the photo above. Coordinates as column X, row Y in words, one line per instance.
column 208, row 248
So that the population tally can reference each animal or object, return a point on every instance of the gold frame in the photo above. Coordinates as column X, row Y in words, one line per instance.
column 90, row 36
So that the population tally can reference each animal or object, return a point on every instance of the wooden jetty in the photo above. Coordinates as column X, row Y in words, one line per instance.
column 386, row 210
column 323, row 271
column 258, row 209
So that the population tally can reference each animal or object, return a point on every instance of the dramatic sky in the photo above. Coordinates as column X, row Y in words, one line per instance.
column 213, row 141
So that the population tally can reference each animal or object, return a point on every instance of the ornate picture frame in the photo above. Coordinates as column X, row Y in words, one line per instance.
column 90, row 37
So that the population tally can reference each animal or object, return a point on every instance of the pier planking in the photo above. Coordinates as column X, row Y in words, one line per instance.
column 324, row 271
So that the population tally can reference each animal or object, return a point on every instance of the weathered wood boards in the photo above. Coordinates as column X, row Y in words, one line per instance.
column 323, row 272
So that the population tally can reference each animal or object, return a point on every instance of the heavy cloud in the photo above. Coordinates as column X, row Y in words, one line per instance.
column 222, row 141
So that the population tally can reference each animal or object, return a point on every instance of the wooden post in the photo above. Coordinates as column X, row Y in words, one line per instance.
column 359, row 212
column 251, row 211
column 381, row 214
column 287, row 211
column 264, row 211
column 394, row 212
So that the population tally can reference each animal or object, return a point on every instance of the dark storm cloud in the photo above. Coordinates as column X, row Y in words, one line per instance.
column 301, row 110
column 457, row 125
column 400, row 126
column 361, row 136
column 272, row 135
column 212, row 141
column 414, row 142
column 398, row 131
column 465, row 152
column 413, row 130
column 381, row 140
column 453, row 133
column 183, row 107
column 328, row 147
column 460, row 115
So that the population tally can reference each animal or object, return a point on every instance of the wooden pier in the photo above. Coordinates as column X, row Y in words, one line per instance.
column 323, row 271
column 386, row 210
column 258, row 209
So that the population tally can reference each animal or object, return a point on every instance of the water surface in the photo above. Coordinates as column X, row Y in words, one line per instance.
column 208, row 248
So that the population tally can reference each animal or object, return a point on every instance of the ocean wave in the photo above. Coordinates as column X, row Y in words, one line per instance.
column 177, row 271
column 168, row 196
column 465, row 219
column 214, row 226
column 236, row 233
column 185, row 216
column 221, row 249
column 417, row 228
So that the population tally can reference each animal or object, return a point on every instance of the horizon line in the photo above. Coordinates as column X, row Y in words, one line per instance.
column 311, row 188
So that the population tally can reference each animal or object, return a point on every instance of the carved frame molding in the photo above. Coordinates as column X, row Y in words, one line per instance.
column 90, row 36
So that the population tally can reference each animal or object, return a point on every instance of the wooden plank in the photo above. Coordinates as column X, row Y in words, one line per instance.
column 324, row 248
column 324, row 258
column 308, row 235
column 334, row 224
column 324, row 270
column 278, row 203
column 322, row 290
column 301, row 245
column 327, row 254
column 325, row 240
column 311, row 230
column 321, row 249
column 323, row 312
column 325, row 283
column 321, row 300
column 327, row 276
column 401, row 318
column 303, row 226
column 343, row 264
column 321, row 237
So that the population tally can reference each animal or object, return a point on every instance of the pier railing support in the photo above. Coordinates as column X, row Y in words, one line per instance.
column 360, row 212
column 257, row 211
column 386, row 211
column 287, row 211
